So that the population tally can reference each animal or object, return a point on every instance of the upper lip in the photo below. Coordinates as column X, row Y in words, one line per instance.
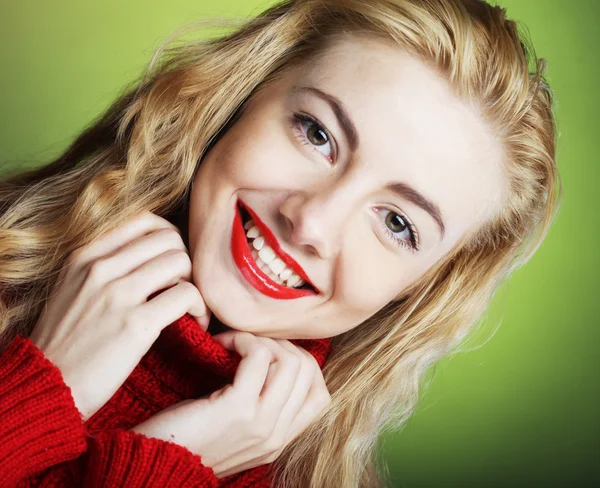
column 274, row 244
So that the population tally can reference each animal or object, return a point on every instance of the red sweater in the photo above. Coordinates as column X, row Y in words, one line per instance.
column 45, row 443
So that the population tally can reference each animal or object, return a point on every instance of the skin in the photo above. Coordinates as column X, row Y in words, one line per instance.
column 326, row 205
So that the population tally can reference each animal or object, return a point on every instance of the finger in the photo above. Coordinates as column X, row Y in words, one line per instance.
column 301, row 387
column 134, row 254
column 119, row 265
column 281, row 353
column 110, row 241
column 160, row 272
column 315, row 405
column 281, row 380
column 170, row 305
column 134, row 289
column 254, row 366
column 273, row 370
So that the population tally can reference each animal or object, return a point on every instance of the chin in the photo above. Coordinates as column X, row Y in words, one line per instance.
column 234, row 320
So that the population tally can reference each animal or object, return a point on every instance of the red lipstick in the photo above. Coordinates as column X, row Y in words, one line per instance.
column 246, row 263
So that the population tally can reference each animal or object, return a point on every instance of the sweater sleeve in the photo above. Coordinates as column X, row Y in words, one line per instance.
column 126, row 458
column 40, row 425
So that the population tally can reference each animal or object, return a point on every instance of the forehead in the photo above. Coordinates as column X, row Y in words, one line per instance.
column 412, row 128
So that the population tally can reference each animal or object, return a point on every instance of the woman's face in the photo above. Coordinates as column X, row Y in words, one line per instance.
column 348, row 161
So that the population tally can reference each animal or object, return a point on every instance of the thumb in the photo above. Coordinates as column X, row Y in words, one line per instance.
column 203, row 320
column 226, row 338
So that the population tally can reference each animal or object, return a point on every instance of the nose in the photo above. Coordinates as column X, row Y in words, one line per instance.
column 315, row 220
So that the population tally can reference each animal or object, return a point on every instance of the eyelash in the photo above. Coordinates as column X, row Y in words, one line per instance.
column 297, row 120
column 413, row 245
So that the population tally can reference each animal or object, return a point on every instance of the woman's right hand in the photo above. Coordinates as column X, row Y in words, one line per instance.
column 98, row 322
column 277, row 392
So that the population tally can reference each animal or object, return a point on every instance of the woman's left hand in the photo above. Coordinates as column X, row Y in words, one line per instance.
column 247, row 423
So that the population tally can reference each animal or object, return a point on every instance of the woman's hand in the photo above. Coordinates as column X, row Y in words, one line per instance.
column 98, row 324
column 278, row 390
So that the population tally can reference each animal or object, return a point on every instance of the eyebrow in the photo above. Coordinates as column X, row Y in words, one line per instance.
column 400, row 188
column 412, row 195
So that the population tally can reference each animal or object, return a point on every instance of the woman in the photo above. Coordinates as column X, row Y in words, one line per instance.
column 397, row 161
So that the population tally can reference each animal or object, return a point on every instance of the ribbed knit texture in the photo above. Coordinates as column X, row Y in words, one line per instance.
column 44, row 443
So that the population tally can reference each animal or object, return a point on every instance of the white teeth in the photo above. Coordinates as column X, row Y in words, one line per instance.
column 266, row 254
column 253, row 232
column 273, row 276
column 292, row 280
column 266, row 259
column 285, row 274
column 258, row 243
column 277, row 265
column 261, row 264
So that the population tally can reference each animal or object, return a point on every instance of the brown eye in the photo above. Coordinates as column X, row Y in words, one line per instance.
column 400, row 229
column 395, row 222
column 316, row 135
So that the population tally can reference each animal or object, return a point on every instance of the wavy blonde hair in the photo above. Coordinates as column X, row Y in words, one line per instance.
column 143, row 152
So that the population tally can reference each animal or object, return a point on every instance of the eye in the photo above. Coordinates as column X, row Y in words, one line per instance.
column 400, row 229
column 314, row 135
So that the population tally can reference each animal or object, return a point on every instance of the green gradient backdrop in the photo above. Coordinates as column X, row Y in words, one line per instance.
column 519, row 411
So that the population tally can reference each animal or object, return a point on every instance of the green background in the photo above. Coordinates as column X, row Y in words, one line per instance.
column 521, row 409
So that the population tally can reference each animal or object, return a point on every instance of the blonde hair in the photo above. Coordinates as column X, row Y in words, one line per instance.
column 143, row 152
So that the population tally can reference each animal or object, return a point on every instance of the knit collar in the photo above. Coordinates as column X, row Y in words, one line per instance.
column 199, row 346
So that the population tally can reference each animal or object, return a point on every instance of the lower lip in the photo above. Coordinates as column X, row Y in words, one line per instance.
column 245, row 262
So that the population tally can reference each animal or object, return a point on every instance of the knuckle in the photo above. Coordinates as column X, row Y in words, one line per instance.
column 311, row 359
column 243, row 335
column 75, row 256
column 155, row 219
column 178, row 260
column 287, row 359
column 130, row 320
column 171, row 235
column 139, row 330
column 274, row 443
column 272, row 457
column 187, row 287
column 263, row 431
column 308, row 362
column 96, row 271
column 113, row 294
column 259, row 349
column 324, row 397
column 182, row 257
column 147, row 214
column 150, row 217
column 292, row 362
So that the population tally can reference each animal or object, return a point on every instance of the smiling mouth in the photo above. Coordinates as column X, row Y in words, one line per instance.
column 267, row 259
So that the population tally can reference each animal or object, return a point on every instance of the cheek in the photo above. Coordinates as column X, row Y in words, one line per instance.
column 256, row 156
column 367, row 282
column 263, row 153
